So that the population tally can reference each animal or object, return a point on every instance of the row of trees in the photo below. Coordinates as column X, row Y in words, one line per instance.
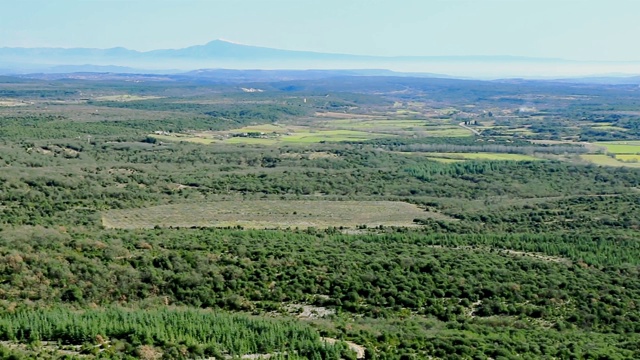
column 196, row 333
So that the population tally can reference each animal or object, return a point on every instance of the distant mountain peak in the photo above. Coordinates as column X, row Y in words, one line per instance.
column 221, row 40
column 224, row 53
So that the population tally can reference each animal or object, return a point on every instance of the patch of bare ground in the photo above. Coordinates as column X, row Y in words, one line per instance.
column 13, row 103
column 122, row 171
column 310, row 156
column 534, row 255
column 70, row 152
column 55, row 150
column 309, row 312
column 354, row 231
column 470, row 311
column 47, row 347
column 42, row 151
column 254, row 356
column 539, row 256
column 322, row 155
column 147, row 352
column 358, row 349
column 271, row 214
column 178, row 187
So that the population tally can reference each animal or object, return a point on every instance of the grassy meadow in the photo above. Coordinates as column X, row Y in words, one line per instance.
column 605, row 160
column 621, row 147
column 322, row 129
column 269, row 214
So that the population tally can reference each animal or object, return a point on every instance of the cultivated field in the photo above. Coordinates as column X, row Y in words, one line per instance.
column 183, row 137
column 323, row 129
column 269, row 214
column 605, row 160
column 628, row 157
column 430, row 127
column 621, row 147
column 298, row 137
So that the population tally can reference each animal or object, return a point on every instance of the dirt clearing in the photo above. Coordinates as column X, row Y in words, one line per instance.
column 269, row 214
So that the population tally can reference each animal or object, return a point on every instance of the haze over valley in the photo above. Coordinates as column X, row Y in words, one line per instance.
column 220, row 54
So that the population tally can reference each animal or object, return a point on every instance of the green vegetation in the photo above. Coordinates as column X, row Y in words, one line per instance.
column 621, row 147
column 116, row 332
column 628, row 157
column 188, row 220
column 607, row 160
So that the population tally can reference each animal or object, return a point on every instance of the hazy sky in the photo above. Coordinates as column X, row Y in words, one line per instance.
column 570, row 29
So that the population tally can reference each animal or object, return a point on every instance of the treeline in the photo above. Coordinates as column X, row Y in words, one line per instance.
column 177, row 333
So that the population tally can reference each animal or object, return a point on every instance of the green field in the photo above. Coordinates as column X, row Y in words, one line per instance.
column 605, row 160
column 324, row 130
column 182, row 137
column 621, row 147
column 609, row 127
column 447, row 132
column 628, row 157
column 269, row 214
column 298, row 137
column 405, row 127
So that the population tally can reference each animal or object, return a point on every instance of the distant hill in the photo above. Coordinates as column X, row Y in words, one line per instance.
column 217, row 50
column 219, row 54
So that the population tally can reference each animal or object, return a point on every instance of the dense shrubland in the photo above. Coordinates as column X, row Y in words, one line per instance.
column 523, row 260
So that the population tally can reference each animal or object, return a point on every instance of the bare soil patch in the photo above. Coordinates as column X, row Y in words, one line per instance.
column 270, row 214
column 359, row 350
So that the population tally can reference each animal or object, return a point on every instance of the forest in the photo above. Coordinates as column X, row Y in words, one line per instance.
column 535, row 255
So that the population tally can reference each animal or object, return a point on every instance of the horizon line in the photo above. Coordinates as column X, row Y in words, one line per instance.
column 227, row 41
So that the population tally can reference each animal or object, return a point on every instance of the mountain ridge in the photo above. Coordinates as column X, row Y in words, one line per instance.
column 221, row 54
column 232, row 47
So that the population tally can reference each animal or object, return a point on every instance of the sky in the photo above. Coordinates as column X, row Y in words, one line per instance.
column 585, row 30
